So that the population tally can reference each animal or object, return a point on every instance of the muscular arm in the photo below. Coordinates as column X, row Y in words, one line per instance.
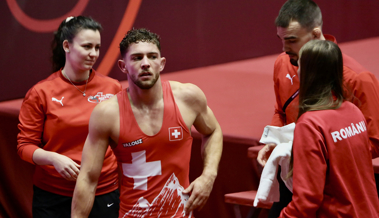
column 102, row 119
column 206, row 124
column 201, row 188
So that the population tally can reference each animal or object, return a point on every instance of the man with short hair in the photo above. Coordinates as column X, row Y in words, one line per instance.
column 148, row 126
column 298, row 22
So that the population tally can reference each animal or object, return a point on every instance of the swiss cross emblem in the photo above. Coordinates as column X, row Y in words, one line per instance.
column 175, row 133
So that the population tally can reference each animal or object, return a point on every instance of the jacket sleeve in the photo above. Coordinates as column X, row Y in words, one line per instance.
column 32, row 117
column 366, row 92
column 309, row 172
column 279, row 117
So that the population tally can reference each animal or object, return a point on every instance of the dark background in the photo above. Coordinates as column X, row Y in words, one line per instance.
column 194, row 33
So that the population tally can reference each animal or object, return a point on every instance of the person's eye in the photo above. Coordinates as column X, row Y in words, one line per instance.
column 136, row 58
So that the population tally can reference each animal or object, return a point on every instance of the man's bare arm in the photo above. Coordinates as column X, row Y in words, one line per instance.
column 94, row 150
column 207, row 125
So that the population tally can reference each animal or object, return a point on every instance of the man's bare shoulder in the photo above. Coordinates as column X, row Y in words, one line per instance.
column 106, row 109
column 187, row 92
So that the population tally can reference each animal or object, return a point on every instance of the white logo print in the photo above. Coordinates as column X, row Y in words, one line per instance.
column 131, row 144
column 175, row 133
column 109, row 205
column 290, row 78
column 349, row 131
column 140, row 170
column 171, row 198
column 60, row 101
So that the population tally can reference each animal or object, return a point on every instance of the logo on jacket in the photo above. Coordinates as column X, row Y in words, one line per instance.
column 349, row 131
column 59, row 101
column 175, row 133
column 131, row 144
column 290, row 78
column 99, row 97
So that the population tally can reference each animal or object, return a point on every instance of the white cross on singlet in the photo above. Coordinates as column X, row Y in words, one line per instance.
column 139, row 170
column 176, row 133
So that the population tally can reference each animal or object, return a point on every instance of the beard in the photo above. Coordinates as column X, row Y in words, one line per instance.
column 293, row 61
column 146, row 84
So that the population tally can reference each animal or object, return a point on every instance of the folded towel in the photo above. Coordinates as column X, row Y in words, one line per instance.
column 268, row 190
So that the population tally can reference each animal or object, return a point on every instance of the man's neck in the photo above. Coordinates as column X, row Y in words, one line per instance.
column 145, row 98
column 322, row 37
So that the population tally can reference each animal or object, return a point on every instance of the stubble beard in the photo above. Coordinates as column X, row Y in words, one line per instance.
column 294, row 62
column 147, row 84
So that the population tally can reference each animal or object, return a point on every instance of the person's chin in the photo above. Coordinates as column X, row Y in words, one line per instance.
column 88, row 67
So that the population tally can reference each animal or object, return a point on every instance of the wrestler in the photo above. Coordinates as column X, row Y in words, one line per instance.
column 149, row 128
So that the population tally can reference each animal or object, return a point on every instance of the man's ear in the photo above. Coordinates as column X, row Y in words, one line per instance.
column 163, row 63
column 316, row 33
column 66, row 46
column 121, row 64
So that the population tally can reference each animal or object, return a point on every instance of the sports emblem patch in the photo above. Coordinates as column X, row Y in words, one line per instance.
column 175, row 133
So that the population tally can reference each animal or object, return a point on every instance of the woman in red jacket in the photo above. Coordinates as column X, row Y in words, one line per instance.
column 54, row 123
column 332, row 169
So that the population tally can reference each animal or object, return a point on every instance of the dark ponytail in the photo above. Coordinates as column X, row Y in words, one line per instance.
column 67, row 31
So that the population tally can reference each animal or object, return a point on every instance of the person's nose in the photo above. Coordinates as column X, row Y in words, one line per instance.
column 145, row 64
column 94, row 52
column 285, row 46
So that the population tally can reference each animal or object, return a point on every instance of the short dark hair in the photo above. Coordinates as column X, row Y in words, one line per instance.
column 138, row 35
column 321, row 76
column 67, row 30
column 306, row 12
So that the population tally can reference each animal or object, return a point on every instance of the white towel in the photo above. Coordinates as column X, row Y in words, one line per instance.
column 268, row 190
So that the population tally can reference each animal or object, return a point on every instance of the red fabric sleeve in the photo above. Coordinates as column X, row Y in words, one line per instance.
column 32, row 119
column 309, row 172
column 279, row 117
column 366, row 91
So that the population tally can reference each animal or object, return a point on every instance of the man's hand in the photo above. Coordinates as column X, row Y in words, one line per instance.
column 265, row 153
column 200, row 190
